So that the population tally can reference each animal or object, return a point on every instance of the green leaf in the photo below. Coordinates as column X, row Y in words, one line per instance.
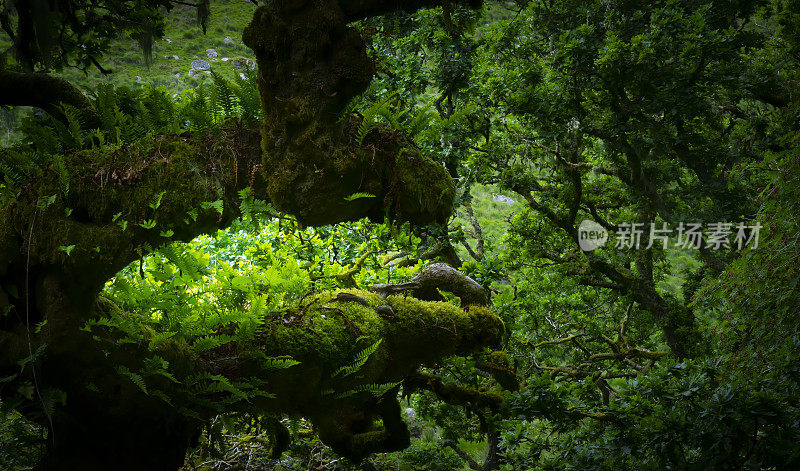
column 360, row 359
column 46, row 201
column 280, row 363
column 157, row 201
column 136, row 378
column 216, row 205
column 356, row 196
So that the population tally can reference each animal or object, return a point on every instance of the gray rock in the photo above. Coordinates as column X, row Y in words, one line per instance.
column 211, row 53
column 409, row 415
column 201, row 65
column 242, row 63
column 173, row 56
column 502, row 199
column 228, row 40
column 168, row 40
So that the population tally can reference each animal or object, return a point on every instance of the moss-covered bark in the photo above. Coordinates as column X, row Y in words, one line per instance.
column 103, row 209
column 107, row 416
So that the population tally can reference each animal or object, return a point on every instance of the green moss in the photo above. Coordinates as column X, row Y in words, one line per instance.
column 500, row 366
column 425, row 190
column 118, row 201
column 325, row 334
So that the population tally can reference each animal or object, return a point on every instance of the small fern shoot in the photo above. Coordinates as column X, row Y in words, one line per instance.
column 360, row 195
column 360, row 359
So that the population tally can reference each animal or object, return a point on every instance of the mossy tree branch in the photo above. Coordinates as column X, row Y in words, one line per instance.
column 103, row 203
column 452, row 393
column 44, row 91
column 435, row 277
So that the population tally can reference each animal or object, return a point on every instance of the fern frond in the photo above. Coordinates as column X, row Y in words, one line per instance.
column 160, row 338
column 247, row 95
column 188, row 265
column 369, row 121
column 222, row 96
column 136, row 378
column 17, row 168
column 375, row 389
column 356, row 196
column 206, row 383
column 162, row 396
column 382, row 109
column 197, row 113
column 280, row 363
column 360, row 359
column 209, row 342
column 73, row 133
column 61, row 170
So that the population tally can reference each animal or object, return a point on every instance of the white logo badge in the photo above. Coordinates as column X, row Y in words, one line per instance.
column 591, row 235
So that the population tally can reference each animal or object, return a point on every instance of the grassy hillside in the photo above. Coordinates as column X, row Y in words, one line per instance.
column 492, row 214
column 185, row 40
column 172, row 56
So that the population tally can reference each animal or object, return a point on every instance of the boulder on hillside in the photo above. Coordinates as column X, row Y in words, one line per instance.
column 201, row 65
column 242, row 63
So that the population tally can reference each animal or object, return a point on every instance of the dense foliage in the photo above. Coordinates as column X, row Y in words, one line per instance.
column 670, row 354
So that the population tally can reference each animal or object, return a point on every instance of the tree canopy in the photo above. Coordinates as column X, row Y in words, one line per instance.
column 395, row 205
